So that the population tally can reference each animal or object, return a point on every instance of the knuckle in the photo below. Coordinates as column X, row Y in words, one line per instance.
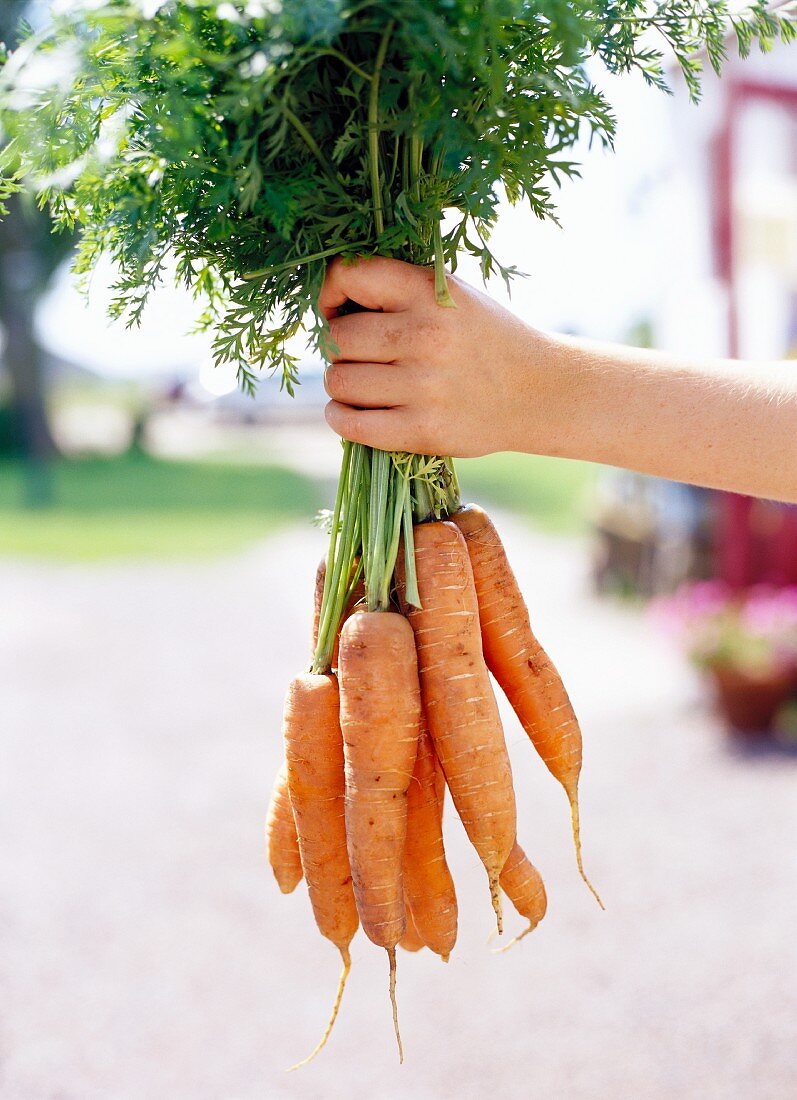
column 429, row 432
column 433, row 386
column 431, row 335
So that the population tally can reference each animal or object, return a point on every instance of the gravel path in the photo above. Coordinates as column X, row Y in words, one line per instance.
column 145, row 953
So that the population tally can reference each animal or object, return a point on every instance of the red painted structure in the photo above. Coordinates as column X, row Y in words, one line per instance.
column 756, row 540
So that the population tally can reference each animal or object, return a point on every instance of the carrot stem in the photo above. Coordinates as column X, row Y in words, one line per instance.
column 398, row 491
column 441, row 291
column 411, row 593
column 373, row 133
column 343, row 545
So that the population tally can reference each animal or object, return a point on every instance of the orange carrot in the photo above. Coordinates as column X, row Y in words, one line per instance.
column 380, row 712
column 521, row 666
column 318, row 595
column 356, row 596
column 458, row 697
column 428, row 885
column 411, row 940
column 283, row 843
column 523, row 885
column 314, row 756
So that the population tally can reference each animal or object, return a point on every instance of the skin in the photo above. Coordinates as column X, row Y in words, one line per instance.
column 412, row 375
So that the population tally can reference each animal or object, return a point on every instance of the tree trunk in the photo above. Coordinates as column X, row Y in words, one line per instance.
column 21, row 278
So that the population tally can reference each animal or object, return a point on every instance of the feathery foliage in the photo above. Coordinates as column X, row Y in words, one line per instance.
column 252, row 140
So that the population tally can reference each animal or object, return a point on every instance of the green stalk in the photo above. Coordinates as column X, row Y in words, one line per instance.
column 423, row 508
column 335, row 527
column 343, row 545
column 373, row 133
column 375, row 565
column 410, row 576
column 378, row 497
column 399, row 490
column 441, row 291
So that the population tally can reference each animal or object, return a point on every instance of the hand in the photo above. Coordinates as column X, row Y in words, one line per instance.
column 410, row 375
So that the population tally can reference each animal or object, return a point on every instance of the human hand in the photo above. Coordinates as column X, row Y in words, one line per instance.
column 411, row 375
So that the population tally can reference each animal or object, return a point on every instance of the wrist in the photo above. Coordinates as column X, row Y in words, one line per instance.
column 543, row 402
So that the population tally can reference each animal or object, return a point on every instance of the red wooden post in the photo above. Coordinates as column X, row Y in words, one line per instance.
column 734, row 537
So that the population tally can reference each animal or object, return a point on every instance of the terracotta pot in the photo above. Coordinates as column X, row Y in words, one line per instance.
column 750, row 703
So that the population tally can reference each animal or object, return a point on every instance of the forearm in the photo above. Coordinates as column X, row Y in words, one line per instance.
column 723, row 424
column 412, row 376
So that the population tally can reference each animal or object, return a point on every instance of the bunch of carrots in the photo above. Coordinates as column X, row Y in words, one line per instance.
column 406, row 711
column 252, row 144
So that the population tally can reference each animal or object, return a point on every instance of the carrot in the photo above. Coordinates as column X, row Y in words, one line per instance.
column 283, row 843
column 411, row 940
column 380, row 711
column 428, row 885
column 314, row 757
column 357, row 594
column 521, row 666
column 523, row 885
column 458, row 697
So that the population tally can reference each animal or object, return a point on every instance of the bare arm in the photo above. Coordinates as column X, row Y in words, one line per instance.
column 475, row 379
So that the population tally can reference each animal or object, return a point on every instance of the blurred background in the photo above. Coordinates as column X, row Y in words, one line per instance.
column 157, row 554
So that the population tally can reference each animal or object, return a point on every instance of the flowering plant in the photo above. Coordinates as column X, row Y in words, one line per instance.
column 753, row 633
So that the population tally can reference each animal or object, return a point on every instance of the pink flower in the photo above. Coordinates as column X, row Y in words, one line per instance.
column 753, row 631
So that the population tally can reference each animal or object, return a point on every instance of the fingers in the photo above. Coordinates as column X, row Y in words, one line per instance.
column 369, row 385
column 376, row 283
column 368, row 337
column 386, row 429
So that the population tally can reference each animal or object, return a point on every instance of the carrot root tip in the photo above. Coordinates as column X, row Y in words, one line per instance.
column 446, row 957
column 521, row 936
column 391, row 954
column 574, row 815
column 495, row 897
column 346, row 957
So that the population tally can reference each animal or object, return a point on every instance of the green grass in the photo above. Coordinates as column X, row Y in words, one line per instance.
column 550, row 491
column 135, row 506
column 138, row 507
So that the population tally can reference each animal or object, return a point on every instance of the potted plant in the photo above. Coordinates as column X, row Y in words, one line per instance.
column 745, row 642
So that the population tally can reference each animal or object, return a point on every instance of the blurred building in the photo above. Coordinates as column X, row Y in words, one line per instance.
column 737, row 248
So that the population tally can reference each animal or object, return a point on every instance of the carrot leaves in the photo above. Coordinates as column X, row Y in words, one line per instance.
column 248, row 142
